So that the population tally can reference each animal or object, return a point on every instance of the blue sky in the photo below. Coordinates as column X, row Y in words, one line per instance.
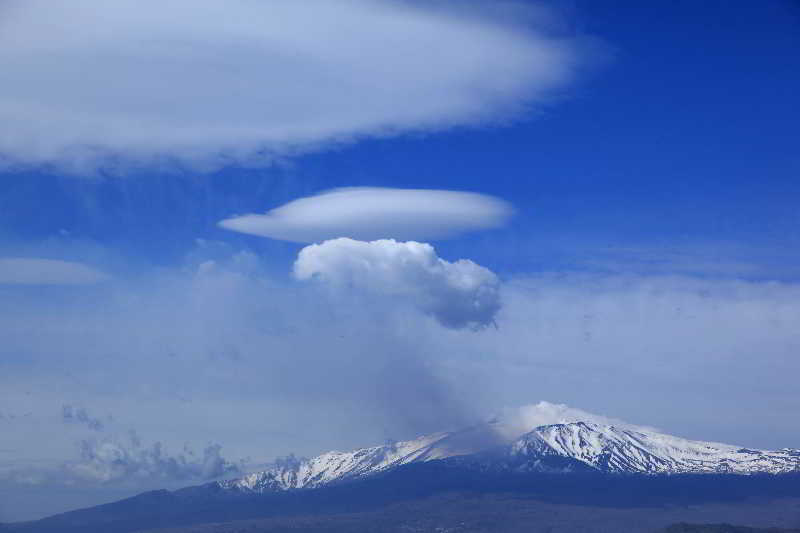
column 650, row 271
column 684, row 136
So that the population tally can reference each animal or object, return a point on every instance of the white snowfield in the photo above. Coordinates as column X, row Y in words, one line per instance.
column 612, row 449
column 339, row 466
column 603, row 447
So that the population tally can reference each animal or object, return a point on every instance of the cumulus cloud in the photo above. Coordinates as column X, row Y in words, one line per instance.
column 111, row 460
column 34, row 271
column 116, row 461
column 367, row 213
column 459, row 294
column 91, row 83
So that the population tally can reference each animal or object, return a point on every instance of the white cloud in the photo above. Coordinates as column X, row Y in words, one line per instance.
column 34, row 271
column 367, row 213
column 116, row 461
column 519, row 420
column 203, row 82
column 459, row 294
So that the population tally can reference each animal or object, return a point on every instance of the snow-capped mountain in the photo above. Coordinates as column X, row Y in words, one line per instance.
column 564, row 447
column 339, row 466
column 551, row 454
column 611, row 449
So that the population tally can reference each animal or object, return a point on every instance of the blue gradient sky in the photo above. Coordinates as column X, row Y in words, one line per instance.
column 684, row 137
column 651, row 271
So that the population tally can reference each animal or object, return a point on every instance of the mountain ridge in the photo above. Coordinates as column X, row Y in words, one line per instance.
column 567, row 447
column 593, row 463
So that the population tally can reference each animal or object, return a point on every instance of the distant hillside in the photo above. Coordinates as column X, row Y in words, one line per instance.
column 441, row 513
column 507, row 514
column 722, row 528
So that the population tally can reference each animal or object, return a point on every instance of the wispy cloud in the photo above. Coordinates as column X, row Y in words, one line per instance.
column 367, row 213
column 79, row 415
column 93, row 84
column 35, row 271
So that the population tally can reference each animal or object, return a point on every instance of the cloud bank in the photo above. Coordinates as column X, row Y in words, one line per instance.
column 219, row 350
column 34, row 271
column 368, row 213
column 92, row 84
column 459, row 294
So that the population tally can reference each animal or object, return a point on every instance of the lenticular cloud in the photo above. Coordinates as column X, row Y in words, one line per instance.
column 93, row 83
column 368, row 213
column 459, row 294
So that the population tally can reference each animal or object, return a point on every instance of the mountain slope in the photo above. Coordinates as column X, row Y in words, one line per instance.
column 330, row 467
column 579, row 463
column 567, row 447
column 611, row 449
